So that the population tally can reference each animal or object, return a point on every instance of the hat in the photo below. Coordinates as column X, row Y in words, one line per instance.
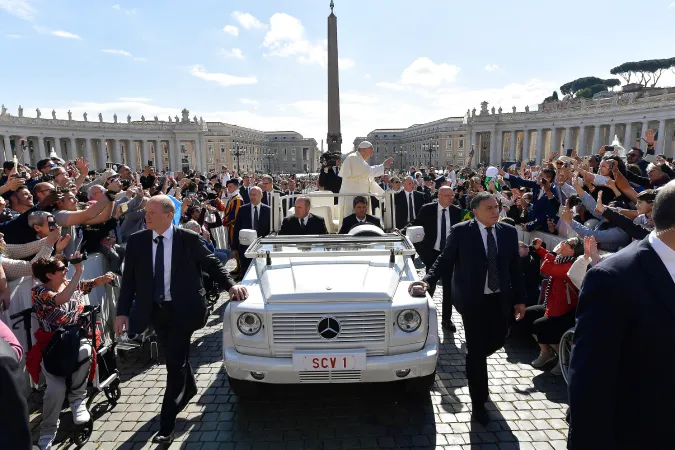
column 491, row 172
column 439, row 181
column 365, row 144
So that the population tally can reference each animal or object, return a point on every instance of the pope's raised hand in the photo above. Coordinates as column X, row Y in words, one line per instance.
column 388, row 162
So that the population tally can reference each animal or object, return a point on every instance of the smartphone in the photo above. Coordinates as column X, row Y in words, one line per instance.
column 611, row 164
column 51, row 223
column 569, row 152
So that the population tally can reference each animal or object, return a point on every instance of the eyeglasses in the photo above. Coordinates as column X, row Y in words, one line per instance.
column 60, row 269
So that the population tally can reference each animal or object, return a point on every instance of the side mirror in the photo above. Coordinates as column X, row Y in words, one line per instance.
column 415, row 234
column 246, row 237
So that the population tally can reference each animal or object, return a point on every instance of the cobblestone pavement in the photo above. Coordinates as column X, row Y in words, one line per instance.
column 528, row 408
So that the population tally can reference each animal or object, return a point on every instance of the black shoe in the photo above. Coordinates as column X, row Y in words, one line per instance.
column 163, row 438
column 448, row 325
column 480, row 414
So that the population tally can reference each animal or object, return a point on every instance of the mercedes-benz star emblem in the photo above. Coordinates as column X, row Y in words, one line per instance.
column 328, row 328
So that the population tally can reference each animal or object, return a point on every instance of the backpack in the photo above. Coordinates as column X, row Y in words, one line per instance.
column 60, row 356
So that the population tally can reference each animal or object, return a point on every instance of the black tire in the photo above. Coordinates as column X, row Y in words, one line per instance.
column 113, row 392
column 82, row 433
column 243, row 388
column 421, row 385
column 565, row 354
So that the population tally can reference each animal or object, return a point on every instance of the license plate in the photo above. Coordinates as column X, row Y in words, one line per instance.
column 328, row 362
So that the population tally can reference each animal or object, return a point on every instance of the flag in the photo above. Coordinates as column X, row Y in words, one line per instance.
column 466, row 215
column 178, row 205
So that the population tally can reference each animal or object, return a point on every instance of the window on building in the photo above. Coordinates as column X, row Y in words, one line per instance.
column 448, row 155
column 460, row 143
column 449, row 144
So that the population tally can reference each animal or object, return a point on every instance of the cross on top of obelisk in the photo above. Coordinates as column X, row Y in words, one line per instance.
column 332, row 5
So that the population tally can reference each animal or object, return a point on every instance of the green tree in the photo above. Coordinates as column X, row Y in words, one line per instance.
column 552, row 98
column 593, row 84
column 646, row 71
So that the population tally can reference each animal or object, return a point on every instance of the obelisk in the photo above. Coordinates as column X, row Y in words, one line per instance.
column 334, row 138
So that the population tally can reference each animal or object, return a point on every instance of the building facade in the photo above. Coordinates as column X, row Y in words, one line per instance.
column 583, row 125
column 174, row 145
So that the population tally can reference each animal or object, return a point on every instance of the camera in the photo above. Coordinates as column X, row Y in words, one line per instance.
column 51, row 223
column 329, row 159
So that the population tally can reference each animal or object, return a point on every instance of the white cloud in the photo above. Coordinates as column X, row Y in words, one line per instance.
column 423, row 72
column 117, row 52
column 247, row 21
column 672, row 5
column 231, row 29
column 491, row 67
column 248, row 101
column 235, row 53
column 223, row 79
column 140, row 59
column 128, row 12
column 65, row 34
column 367, row 76
column 135, row 99
column 14, row 36
column 23, row 9
column 287, row 38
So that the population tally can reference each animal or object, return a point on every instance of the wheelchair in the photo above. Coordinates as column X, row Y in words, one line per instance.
column 565, row 353
column 106, row 379
column 212, row 292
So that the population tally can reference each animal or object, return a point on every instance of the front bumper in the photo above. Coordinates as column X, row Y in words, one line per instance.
column 379, row 369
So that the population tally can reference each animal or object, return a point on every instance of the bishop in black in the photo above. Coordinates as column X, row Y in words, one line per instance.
column 163, row 276
column 487, row 287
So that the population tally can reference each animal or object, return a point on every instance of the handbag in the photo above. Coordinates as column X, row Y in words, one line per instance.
column 60, row 356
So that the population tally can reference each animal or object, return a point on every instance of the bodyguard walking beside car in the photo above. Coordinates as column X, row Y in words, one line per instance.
column 163, row 274
column 487, row 287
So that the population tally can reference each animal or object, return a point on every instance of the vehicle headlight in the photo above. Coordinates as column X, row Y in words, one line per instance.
column 249, row 323
column 409, row 320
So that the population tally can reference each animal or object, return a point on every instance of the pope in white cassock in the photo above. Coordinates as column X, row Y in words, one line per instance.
column 358, row 177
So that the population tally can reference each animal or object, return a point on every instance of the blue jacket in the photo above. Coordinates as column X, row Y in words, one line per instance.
column 543, row 207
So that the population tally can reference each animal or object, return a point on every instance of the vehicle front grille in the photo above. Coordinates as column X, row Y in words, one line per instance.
column 370, row 351
column 364, row 328
column 347, row 376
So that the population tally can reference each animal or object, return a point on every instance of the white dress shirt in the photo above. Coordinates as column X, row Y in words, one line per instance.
column 437, row 244
column 168, row 243
column 666, row 253
column 408, row 196
column 484, row 235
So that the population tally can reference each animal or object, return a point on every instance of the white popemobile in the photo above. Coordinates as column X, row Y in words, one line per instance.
column 330, row 309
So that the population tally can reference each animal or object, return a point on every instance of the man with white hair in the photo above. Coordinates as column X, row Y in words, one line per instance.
column 358, row 177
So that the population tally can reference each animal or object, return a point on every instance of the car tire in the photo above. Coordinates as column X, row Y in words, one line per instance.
column 421, row 385
column 243, row 388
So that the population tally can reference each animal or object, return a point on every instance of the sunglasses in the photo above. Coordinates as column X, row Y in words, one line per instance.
column 61, row 269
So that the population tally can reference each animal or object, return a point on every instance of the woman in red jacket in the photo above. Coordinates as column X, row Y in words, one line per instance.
column 560, row 301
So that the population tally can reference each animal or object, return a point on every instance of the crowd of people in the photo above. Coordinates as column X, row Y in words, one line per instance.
column 53, row 214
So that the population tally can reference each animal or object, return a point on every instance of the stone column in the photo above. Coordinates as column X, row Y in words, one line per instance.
column 42, row 154
column 628, row 138
column 597, row 139
column 116, row 151
column 581, row 146
column 526, row 146
column 645, row 127
column 8, row 149
column 101, row 154
column 540, row 145
column 87, row 152
column 660, row 147
column 512, row 149
column 145, row 152
column 612, row 133
column 568, row 138
column 131, row 158
column 174, row 155
column 474, row 142
column 159, row 155
column 57, row 147
column 493, row 146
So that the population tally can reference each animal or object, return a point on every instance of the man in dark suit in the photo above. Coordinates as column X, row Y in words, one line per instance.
column 437, row 219
column 290, row 190
column 246, row 220
column 303, row 222
column 359, row 216
column 164, row 276
column 330, row 178
column 624, row 340
column 408, row 203
column 487, row 287
column 244, row 190
column 268, row 189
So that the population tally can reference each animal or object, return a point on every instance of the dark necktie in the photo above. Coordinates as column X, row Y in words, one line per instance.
column 158, row 279
column 411, row 211
column 335, row 169
column 255, row 218
column 302, row 225
column 443, row 228
column 493, row 268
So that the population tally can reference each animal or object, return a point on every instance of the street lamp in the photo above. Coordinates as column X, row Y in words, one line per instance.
column 237, row 153
column 268, row 154
column 430, row 149
column 400, row 153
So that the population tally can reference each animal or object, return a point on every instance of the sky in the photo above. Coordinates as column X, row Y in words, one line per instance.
column 262, row 63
